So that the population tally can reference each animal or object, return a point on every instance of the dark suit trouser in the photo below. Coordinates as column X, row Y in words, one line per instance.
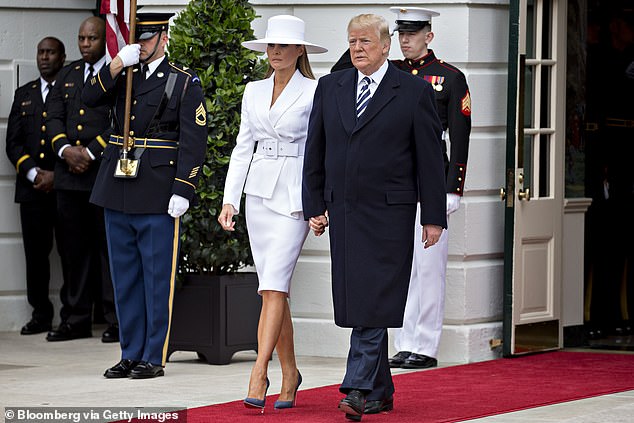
column 83, row 249
column 38, row 219
column 368, row 369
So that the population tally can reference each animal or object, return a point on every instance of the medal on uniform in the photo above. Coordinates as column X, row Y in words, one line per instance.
column 127, row 167
column 414, row 72
column 438, row 87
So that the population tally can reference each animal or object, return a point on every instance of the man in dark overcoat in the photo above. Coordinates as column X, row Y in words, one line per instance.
column 30, row 153
column 373, row 151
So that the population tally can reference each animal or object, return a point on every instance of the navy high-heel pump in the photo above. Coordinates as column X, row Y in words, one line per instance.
column 255, row 402
column 290, row 404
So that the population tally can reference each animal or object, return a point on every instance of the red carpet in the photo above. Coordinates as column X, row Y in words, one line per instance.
column 458, row 393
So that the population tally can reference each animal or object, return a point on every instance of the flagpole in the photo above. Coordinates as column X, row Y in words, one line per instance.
column 128, row 87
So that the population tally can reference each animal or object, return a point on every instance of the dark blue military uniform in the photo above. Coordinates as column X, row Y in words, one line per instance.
column 82, row 243
column 454, row 109
column 173, row 143
column 28, row 148
column 168, row 128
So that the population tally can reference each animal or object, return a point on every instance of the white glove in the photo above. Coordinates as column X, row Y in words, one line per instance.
column 453, row 203
column 178, row 206
column 129, row 54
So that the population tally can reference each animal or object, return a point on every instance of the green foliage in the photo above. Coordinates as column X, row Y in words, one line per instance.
column 206, row 37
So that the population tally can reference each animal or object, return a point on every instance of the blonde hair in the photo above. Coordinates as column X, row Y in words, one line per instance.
column 302, row 64
column 369, row 20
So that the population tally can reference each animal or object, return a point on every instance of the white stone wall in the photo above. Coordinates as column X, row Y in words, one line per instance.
column 472, row 35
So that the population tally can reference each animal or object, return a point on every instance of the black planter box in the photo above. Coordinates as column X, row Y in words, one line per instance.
column 216, row 316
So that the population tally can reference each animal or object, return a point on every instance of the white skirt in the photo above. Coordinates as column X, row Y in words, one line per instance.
column 276, row 241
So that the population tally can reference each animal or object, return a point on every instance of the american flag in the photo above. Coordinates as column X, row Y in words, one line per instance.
column 117, row 25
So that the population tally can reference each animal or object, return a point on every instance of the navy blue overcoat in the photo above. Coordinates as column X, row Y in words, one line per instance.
column 366, row 174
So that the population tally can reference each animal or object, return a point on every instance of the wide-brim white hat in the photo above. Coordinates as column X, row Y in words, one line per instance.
column 284, row 29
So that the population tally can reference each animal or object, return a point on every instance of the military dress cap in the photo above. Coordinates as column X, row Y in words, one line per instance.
column 149, row 24
column 412, row 19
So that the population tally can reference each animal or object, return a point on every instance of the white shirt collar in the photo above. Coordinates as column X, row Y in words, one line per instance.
column 44, row 88
column 153, row 65
column 376, row 77
column 96, row 66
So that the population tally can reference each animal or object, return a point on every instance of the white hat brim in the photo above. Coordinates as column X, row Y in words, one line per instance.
column 261, row 44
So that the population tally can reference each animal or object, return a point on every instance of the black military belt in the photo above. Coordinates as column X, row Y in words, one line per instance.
column 145, row 142
column 620, row 123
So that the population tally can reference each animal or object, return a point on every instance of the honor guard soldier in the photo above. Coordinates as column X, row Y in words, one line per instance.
column 30, row 153
column 145, row 183
column 417, row 342
column 78, row 135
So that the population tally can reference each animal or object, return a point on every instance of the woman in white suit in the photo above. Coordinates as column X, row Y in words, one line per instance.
column 266, row 164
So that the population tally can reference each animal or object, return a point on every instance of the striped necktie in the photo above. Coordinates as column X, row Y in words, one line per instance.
column 47, row 91
column 364, row 95
column 91, row 73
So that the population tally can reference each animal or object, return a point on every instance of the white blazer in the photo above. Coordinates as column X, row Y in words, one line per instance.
column 278, row 181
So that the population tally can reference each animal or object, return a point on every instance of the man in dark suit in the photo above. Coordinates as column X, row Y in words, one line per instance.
column 33, row 160
column 78, row 133
column 145, row 184
column 367, row 163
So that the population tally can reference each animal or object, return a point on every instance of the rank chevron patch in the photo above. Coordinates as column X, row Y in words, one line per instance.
column 466, row 104
column 201, row 116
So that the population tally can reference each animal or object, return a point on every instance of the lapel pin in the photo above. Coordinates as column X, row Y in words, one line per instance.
column 160, row 74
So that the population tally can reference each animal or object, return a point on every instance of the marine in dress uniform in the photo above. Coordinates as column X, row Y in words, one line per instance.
column 30, row 153
column 77, row 135
column 417, row 341
column 146, row 185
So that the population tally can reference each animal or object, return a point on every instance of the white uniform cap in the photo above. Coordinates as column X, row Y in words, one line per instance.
column 412, row 19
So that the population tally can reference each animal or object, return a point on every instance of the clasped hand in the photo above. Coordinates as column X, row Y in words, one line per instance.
column 318, row 224
column 43, row 180
column 77, row 158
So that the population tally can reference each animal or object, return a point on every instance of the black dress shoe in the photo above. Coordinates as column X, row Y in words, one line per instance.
column 66, row 332
column 379, row 406
column 35, row 326
column 399, row 359
column 145, row 370
column 353, row 405
column 121, row 369
column 419, row 361
column 111, row 334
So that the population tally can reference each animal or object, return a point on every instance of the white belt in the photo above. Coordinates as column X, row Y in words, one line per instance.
column 273, row 149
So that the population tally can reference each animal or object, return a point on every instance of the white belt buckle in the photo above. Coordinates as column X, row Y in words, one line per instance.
column 270, row 149
column 288, row 149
